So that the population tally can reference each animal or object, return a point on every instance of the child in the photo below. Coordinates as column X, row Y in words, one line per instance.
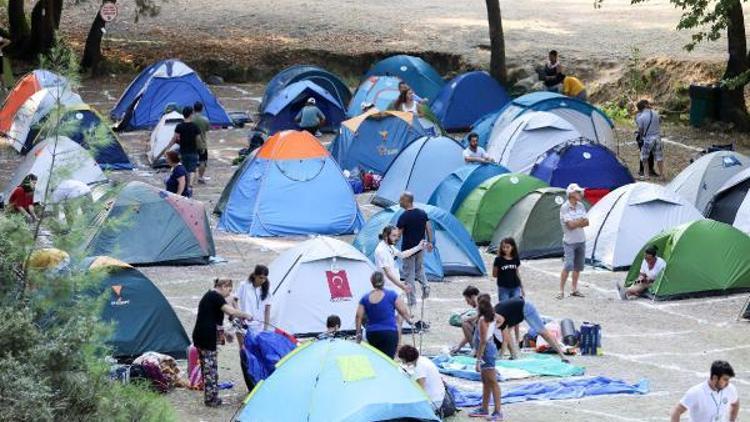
column 333, row 325
column 505, row 269
column 486, row 355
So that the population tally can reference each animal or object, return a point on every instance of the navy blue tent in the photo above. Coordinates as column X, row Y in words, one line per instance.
column 281, row 111
column 262, row 352
column 170, row 81
column 466, row 98
column 417, row 73
column 321, row 77
column 452, row 191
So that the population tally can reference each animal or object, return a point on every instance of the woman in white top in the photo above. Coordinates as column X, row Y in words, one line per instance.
column 407, row 103
column 651, row 267
column 253, row 297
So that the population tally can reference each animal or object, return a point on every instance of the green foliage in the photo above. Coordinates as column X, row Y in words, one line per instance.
column 636, row 83
column 616, row 111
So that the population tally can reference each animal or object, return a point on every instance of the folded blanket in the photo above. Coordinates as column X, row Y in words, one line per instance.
column 531, row 365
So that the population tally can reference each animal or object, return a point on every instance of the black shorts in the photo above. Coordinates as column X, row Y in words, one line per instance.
column 203, row 156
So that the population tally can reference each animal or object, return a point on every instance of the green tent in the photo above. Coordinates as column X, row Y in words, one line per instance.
column 487, row 203
column 534, row 222
column 703, row 258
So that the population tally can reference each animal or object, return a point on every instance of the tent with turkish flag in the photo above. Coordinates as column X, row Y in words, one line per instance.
column 317, row 278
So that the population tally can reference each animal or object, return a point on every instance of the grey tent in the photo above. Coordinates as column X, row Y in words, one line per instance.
column 731, row 204
column 700, row 181
column 534, row 222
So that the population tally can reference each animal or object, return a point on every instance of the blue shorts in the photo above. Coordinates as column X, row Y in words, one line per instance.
column 505, row 293
column 190, row 161
column 489, row 357
column 532, row 317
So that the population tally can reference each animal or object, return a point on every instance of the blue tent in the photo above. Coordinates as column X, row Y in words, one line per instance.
column 371, row 141
column 143, row 102
column 483, row 128
column 319, row 76
column 419, row 169
column 281, row 111
column 336, row 380
column 458, row 185
column 291, row 186
column 262, row 351
column 466, row 98
column 380, row 91
column 417, row 73
column 455, row 252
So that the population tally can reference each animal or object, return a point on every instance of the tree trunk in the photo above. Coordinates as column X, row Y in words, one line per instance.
column 42, row 28
column 17, row 25
column 92, row 52
column 497, row 42
column 58, row 7
column 733, row 108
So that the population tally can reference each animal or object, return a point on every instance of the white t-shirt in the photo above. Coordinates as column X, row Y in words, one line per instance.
column 652, row 273
column 706, row 405
column 413, row 109
column 250, row 301
column 385, row 257
column 433, row 383
column 479, row 153
column 570, row 213
column 70, row 189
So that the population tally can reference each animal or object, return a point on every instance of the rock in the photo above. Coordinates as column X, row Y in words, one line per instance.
column 215, row 80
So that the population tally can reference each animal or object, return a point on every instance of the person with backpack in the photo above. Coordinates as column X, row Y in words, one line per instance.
column 648, row 138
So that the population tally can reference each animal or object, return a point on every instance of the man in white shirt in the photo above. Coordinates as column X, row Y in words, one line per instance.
column 474, row 153
column 714, row 400
column 573, row 219
column 425, row 373
column 651, row 267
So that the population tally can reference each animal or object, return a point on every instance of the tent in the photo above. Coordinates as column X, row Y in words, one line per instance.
column 371, row 141
column 280, row 112
column 624, row 220
column 703, row 258
column 81, row 123
column 161, row 136
column 589, row 121
column 317, row 278
column 71, row 161
column 125, row 229
column 452, row 191
column 519, row 144
column 291, row 186
column 143, row 102
column 27, row 86
column 143, row 319
column 419, row 168
column 593, row 166
column 483, row 128
column 466, row 98
column 26, row 120
column 731, row 203
column 534, row 222
column 380, row 91
column 482, row 210
column 317, row 75
column 417, row 73
column 336, row 380
column 454, row 252
column 699, row 181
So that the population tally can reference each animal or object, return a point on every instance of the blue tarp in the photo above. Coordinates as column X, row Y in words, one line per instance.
column 466, row 98
column 282, row 109
column 321, row 77
column 263, row 351
column 417, row 73
column 554, row 390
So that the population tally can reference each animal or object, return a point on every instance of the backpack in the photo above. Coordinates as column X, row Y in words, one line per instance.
column 448, row 408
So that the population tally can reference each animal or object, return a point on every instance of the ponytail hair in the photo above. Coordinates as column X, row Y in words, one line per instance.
column 377, row 280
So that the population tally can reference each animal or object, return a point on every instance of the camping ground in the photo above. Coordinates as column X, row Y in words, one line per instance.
column 670, row 343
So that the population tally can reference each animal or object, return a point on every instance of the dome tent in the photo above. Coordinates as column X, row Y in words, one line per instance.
column 125, row 229
column 454, row 252
column 624, row 220
column 466, row 98
column 731, row 203
column 281, row 111
column 482, row 210
column 27, row 86
column 417, row 73
column 701, row 180
column 483, row 128
column 371, row 141
column 291, row 186
column 451, row 192
column 304, row 72
column 336, row 380
column 24, row 125
column 380, row 91
column 419, row 168
column 703, row 258
column 161, row 136
column 317, row 278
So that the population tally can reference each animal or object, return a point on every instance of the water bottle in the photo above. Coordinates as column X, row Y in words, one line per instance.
column 598, row 330
column 586, row 340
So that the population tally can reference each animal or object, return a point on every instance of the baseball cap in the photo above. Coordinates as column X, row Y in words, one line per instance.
column 573, row 187
column 311, row 100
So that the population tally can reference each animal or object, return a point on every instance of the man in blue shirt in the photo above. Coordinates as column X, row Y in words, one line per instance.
column 310, row 118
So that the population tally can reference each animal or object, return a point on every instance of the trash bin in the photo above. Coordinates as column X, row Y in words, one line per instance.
column 704, row 103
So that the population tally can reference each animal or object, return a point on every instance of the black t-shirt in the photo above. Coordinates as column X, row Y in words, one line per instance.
column 189, row 133
column 412, row 224
column 210, row 316
column 511, row 310
column 507, row 272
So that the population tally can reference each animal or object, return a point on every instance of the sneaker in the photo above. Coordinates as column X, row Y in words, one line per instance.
column 479, row 413
column 495, row 416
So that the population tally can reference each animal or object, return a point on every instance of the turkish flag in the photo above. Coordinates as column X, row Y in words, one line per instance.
column 338, row 285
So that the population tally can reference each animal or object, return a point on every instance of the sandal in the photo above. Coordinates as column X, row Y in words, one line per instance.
column 560, row 296
column 576, row 293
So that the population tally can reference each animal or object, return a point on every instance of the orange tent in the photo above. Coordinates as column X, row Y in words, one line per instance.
column 25, row 88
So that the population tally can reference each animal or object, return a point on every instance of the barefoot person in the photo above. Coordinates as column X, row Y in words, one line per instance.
column 715, row 400
column 651, row 267
column 573, row 219
column 486, row 354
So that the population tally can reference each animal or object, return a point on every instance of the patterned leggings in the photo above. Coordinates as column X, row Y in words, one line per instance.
column 210, row 372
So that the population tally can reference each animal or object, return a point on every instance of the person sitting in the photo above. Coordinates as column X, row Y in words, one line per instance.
column 553, row 73
column 573, row 87
column 474, row 153
column 407, row 102
column 651, row 267
column 333, row 326
column 468, row 319
column 425, row 373
column 310, row 118
column 21, row 199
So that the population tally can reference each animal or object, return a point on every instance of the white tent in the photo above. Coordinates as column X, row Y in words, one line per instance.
column 162, row 135
column 518, row 144
column 622, row 222
column 701, row 180
column 315, row 279
column 71, row 161
column 35, row 108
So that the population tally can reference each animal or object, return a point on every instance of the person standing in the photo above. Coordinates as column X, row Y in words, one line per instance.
column 505, row 270
column 474, row 153
column 715, row 400
column 186, row 136
column 253, row 297
column 177, row 181
column 310, row 118
column 210, row 318
column 486, row 356
column 649, row 139
column 21, row 199
column 553, row 72
column 379, row 308
column 414, row 226
column 573, row 219
column 204, row 125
